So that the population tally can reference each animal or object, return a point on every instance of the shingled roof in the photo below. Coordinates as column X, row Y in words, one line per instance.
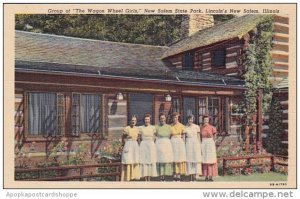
column 38, row 47
column 234, row 28
column 44, row 52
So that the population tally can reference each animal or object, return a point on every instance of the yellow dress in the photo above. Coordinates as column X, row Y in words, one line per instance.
column 179, row 151
column 130, row 155
column 132, row 132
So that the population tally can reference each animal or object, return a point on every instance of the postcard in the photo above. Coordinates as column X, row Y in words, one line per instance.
column 150, row 96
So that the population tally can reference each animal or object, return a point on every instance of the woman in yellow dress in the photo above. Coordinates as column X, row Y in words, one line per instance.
column 131, row 152
column 148, row 157
column 179, row 152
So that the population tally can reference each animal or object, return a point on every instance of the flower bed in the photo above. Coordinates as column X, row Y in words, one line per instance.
column 61, row 163
column 247, row 165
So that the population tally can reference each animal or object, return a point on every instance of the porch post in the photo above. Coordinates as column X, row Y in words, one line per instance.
column 259, row 120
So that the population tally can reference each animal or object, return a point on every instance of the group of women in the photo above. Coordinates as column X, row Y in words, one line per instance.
column 169, row 150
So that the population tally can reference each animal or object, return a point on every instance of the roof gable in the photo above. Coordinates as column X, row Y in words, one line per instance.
column 234, row 28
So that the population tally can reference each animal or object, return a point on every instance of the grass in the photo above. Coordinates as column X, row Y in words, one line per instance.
column 258, row 177
column 272, row 176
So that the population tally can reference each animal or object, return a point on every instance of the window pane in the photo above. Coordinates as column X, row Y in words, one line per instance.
column 210, row 111
column 210, row 102
column 90, row 113
column 215, row 102
column 175, row 105
column 202, row 102
column 213, row 110
column 219, row 58
column 42, row 114
column 200, row 119
column 188, row 61
column 216, row 110
column 202, row 109
column 189, row 108
column 139, row 105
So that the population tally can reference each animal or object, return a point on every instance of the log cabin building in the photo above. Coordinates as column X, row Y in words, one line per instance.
column 84, row 90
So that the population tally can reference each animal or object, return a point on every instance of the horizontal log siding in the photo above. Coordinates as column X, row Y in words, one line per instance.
column 176, row 61
column 280, row 50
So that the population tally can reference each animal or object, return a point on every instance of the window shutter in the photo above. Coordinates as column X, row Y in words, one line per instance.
column 60, row 114
column 75, row 114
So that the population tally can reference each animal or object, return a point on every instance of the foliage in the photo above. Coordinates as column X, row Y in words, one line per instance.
column 59, row 155
column 46, row 164
column 246, row 171
column 80, row 154
column 111, row 151
column 140, row 29
column 255, row 165
column 35, row 175
column 228, row 151
column 59, row 147
column 281, row 169
column 273, row 141
column 221, row 18
column 258, row 65
column 22, row 158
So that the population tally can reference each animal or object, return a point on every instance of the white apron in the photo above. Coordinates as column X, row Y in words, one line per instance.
column 209, row 155
column 164, row 150
column 131, row 152
column 178, row 146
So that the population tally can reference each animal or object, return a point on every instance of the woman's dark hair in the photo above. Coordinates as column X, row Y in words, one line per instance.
column 132, row 116
column 175, row 114
column 162, row 114
column 190, row 116
column 147, row 115
column 205, row 116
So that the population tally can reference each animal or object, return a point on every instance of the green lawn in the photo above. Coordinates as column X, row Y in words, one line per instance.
column 268, row 177
column 254, row 177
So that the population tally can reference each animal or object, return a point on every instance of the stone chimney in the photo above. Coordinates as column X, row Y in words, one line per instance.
column 193, row 23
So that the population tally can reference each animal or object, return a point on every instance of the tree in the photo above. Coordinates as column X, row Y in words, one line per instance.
column 221, row 18
column 275, row 132
column 140, row 29
column 258, row 64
